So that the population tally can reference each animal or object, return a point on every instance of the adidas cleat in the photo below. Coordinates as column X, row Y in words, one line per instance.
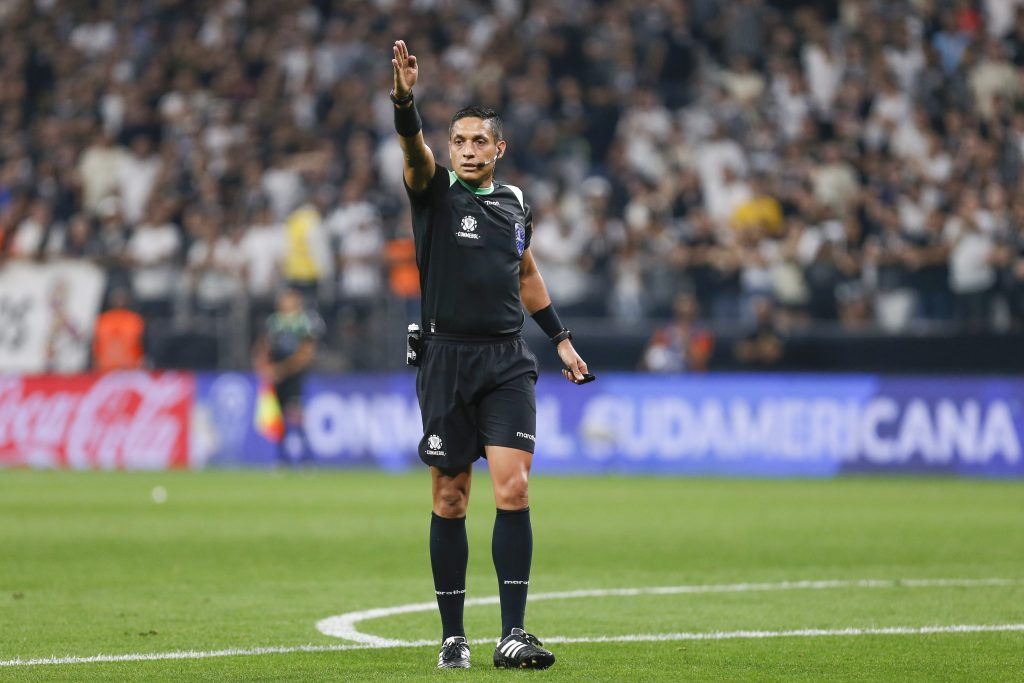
column 521, row 650
column 454, row 654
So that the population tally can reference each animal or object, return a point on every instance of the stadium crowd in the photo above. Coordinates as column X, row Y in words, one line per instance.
column 857, row 163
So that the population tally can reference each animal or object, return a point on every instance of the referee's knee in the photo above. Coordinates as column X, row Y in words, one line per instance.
column 512, row 493
column 451, row 504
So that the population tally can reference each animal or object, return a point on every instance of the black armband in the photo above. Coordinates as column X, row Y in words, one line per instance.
column 548, row 321
column 407, row 120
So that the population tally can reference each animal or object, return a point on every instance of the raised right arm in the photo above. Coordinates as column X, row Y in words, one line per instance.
column 419, row 160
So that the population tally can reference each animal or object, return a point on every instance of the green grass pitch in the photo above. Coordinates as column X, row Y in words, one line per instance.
column 90, row 564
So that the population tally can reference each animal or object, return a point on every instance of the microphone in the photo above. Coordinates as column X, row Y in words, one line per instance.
column 485, row 164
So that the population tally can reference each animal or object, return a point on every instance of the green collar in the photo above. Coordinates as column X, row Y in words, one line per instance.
column 453, row 177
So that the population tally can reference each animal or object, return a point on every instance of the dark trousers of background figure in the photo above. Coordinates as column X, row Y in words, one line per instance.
column 294, row 446
column 973, row 311
column 935, row 304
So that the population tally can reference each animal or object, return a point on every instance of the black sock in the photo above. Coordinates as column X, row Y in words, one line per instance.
column 512, row 550
column 449, row 553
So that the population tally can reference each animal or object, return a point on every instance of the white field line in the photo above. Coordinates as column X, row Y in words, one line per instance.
column 345, row 625
column 346, row 622
column 636, row 638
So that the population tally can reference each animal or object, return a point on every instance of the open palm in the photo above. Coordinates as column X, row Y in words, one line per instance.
column 406, row 69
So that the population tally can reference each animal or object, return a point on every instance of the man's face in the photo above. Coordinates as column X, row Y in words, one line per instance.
column 472, row 143
column 289, row 301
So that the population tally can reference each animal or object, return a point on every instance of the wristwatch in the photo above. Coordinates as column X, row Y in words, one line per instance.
column 561, row 337
column 400, row 101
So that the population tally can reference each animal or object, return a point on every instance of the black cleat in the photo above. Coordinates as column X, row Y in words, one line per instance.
column 521, row 650
column 454, row 654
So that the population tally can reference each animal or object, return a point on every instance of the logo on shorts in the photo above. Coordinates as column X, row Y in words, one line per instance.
column 520, row 238
column 434, row 444
column 524, row 435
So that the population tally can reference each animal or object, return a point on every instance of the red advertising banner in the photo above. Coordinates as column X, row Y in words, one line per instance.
column 121, row 420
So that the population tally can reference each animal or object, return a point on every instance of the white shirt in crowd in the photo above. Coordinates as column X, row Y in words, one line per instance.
column 558, row 247
column 969, row 269
column 28, row 238
column 359, row 253
column 824, row 74
column 99, row 169
column 152, row 248
column 135, row 179
column 261, row 250
column 220, row 279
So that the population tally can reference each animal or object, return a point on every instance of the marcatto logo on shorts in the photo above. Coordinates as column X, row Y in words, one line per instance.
column 434, row 444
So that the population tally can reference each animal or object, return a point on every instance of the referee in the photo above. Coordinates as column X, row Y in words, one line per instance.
column 476, row 374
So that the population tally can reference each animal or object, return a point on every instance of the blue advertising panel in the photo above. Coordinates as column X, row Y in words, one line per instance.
column 742, row 425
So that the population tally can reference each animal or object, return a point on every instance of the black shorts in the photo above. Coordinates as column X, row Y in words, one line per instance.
column 289, row 391
column 475, row 393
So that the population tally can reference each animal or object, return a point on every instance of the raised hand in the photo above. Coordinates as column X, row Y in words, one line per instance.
column 406, row 69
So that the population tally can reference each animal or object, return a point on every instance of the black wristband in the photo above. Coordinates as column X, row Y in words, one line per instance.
column 400, row 101
column 407, row 121
column 548, row 321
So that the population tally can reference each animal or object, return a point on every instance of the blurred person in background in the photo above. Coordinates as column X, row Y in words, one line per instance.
column 403, row 274
column 260, row 255
column 153, row 253
column 119, row 336
column 283, row 355
column 972, row 260
column 30, row 238
column 359, row 257
column 307, row 260
column 683, row 345
column 213, row 264
column 764, row 346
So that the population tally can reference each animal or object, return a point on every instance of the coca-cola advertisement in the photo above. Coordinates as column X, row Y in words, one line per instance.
column 121, row 420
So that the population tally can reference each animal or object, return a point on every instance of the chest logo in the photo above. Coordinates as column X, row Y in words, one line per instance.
column 467, row 229
column 520, row 238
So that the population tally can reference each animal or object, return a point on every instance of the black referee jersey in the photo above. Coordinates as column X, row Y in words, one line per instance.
column 469, row 244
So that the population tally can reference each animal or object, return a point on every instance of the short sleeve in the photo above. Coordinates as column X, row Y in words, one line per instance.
column 314, row 328
column 421, row 200
column 529, row 224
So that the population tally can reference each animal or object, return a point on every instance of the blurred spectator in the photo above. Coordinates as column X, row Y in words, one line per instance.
column 137, row 174
column 119, row 334
column 972, row 275
column 152, row 253
column 403, row 274
column 683, row 345
column 98, row 170
column 307, row 258
column 260, row 254
column 762, row 347
column 30, row 237
column 214, row 263
column 284, row 354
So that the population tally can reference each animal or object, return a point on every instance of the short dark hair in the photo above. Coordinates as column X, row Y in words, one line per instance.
column 475, row 111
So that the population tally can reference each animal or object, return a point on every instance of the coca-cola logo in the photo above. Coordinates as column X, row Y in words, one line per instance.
column 121, row 420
